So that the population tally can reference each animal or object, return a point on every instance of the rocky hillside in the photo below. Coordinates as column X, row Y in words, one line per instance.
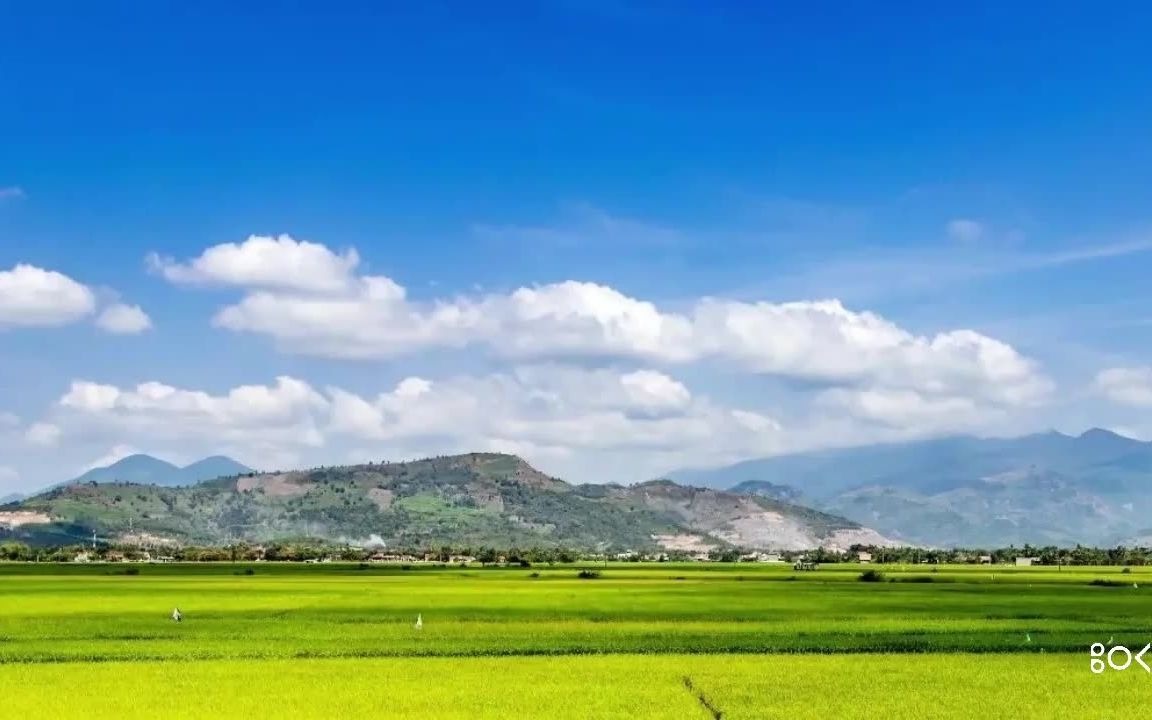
column 474, row 499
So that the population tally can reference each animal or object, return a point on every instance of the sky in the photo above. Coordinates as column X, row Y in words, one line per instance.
column 615, row 237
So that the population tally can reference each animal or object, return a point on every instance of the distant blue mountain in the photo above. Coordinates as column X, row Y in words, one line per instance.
column 1042, row 488
column 147, row 470
column 211, row 468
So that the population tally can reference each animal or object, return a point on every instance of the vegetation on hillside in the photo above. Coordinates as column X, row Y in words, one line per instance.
column 479, row 499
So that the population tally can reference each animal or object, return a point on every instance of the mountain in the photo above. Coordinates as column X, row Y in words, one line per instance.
column 1047, row 488
column 14, row 497
column 147, row 470
column 134, row 469
column 475, row 499
column 762, row 488
column 210, row 468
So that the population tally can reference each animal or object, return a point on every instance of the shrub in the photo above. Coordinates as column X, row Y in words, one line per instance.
column 871, row 576
column 1099, row 582
column 588, row 574
column 916, row 579
column 1126, row 571
column 534, row 575
column 525, row 564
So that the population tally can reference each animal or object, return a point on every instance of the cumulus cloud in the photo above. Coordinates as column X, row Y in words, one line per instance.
column 552, row 407
column 820, row 340
column 34, row 297
column 120, row 319
column 43, row 434
column 264, row 261
column 908, row 409
column 260, row 420
column 1131, row 386
column 547, row 413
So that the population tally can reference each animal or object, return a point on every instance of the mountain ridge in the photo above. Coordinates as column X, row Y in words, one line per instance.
column 460, row 500
column 148, row 470
column 965, row 490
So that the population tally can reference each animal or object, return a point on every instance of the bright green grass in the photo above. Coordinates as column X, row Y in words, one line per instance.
column 324, row 641
column 631, row 609
column 901, row 687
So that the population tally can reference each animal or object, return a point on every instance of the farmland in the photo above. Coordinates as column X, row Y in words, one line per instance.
column 639, row 640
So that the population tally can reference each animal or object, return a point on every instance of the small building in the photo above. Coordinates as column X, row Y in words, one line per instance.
column 761, row 557
column 864, row 557
column 1026, row 561
column 82, row 557
column 804, row 564
column 985, row 560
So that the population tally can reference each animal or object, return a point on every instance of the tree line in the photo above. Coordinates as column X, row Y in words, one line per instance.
column 313, row 550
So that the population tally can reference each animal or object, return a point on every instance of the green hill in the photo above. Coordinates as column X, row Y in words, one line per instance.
column 474, row 499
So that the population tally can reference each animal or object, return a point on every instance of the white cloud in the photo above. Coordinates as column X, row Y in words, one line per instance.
column 34, row 297
column 963, row 230
column 43, row 434
column 908, row 409
column 1131, row 386
column 550, row 413
column 266, row 262
column 12, row 192
column 813, row 340
column 257, row 421
column 121, row 319
column 553, row 408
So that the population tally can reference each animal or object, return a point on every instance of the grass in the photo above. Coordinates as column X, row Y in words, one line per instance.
column 902, row 687
column 519, row 643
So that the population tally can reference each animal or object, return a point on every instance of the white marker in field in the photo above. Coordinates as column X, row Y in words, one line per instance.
column 419, row 622
column 176, row 615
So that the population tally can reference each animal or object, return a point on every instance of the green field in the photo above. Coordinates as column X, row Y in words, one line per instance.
column 640, row 641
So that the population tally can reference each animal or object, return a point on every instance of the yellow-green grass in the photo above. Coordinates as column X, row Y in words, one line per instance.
column 640, row 641
column 284, row 612
column 912, row 687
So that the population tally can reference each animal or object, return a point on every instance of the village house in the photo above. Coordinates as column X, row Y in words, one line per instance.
column 864, row 557
column 1026, row 561
column 985, row 559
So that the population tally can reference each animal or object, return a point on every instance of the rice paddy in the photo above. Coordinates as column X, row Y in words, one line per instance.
column 639, row 641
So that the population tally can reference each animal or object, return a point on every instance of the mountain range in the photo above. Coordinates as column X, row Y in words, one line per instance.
column 145, row 469
column 463, row 500
column 1047, row 488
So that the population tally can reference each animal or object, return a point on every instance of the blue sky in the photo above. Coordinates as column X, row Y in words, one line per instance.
column 983, row 170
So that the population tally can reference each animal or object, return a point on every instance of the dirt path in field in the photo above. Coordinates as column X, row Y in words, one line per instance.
column 704, row 700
